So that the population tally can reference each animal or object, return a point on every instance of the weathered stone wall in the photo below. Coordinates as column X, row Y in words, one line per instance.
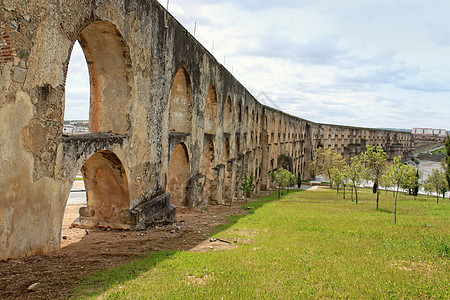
column 135, row 50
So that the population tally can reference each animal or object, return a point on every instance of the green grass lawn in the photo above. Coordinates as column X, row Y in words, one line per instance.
column 441, row 150
column 309, row 244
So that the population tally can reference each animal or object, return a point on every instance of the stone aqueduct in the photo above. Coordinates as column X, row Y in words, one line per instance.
column 166, row 119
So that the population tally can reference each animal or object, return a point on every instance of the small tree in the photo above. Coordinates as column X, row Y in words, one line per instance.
column 355, row 172
column 376, row 165
column 247, row 185
column 411, row 181
column 386, row 181
column 447, row 160
column 324, row 161
column 283, row 178
column 436, row 182
column 337, row 178
column 345, row 179
column 398, row 174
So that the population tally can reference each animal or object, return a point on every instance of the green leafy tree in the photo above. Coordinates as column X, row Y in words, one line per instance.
column 415, row 183
column 284, row 178
column 324, row 161
column 376, row 165
column 355, row 173
column 386, row 181
column 336, row 178
column 436, row 182
column 247, row 185
column 345, row 179
column 447, row 160
column 398, row 175
column 411, row 181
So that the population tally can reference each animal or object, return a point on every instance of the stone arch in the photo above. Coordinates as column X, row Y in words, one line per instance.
column 209, row 172
column 246, row 120
column 178, row 175
column 238, row 145
column 181, row 102
column 226, row 150
column 107, row 191
column 228, row 170
column 211, row 111
column 111, row 78
column 227, row 115
column 279, row 130
column 239, row 110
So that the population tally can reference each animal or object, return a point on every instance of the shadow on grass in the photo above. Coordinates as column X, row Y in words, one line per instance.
column 384, row 210
column 250, row 207
column 100, row 282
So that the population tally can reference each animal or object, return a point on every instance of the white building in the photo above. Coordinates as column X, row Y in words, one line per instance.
column 430, row 132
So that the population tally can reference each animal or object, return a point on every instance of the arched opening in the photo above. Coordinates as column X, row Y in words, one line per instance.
column 76, row 112
column 76, row 199
column 107, row 191
column 246, row 120
column 239, row 116
column 238, row 145
column 226, row 150
column 178, row 175
column 209, row 172
column 180, row 109
column 227, row 116
column 279, row 131
column 228, row 170
column 110, row 77
column 211, row 111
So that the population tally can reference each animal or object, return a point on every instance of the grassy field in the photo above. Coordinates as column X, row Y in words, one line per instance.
column 441, row 150
column 309, row 244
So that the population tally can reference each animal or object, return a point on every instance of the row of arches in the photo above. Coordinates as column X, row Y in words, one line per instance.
column 111, row 87
column 181, row 108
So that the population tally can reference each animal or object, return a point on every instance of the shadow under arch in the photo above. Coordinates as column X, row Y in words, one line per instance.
column 181, row 102
column 210, row 173
column 110, row 76
column 107, row 191
column 211, row 111
column 178, row 175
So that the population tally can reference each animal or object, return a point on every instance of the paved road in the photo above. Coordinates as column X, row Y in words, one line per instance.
column 427, row 166
column 78, row 193
column 78, row 197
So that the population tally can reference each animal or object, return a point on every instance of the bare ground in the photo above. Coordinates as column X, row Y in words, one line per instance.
column 82, row 254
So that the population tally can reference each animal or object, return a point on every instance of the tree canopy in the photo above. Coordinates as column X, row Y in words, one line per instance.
column 324, row 161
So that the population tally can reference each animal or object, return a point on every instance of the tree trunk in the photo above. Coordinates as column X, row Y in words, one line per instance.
column 329, row 178
column 378, row 198
column 344, row 191
column 395, row 206
column 356, row 193
column 437, row 197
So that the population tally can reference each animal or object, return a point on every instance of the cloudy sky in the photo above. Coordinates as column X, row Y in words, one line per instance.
column 371, row 63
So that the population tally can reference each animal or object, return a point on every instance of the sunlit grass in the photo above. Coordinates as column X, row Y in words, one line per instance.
column 306, row 245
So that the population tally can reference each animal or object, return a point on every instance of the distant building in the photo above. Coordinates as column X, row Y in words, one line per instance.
column 429, row 134
column 68, row 129
column 76, row 127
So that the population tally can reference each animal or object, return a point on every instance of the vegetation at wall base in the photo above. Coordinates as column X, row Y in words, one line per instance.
column 308, row 244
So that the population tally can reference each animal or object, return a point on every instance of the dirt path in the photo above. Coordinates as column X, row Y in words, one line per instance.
column 83, row 254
